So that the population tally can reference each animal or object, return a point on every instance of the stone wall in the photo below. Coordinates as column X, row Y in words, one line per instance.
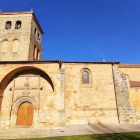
column 134, row 75
column 93, row 102
column 135, row 101
column 18, row 44
column 22, row 35
column 127, row 113
column 35, row 42
column 7, row 71
column 46, row 94
column 63, row 98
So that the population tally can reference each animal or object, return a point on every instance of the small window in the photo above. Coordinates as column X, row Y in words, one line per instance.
column 35, row 31
column 37, row 57
column 34, row 52
column 38, row 39
column 8, row 25
column 18, row 24
column 85, row 77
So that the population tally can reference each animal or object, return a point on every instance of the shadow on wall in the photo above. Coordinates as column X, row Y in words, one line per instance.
column 37, row 72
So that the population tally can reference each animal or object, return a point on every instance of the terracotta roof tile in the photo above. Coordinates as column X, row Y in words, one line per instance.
column 129, row 66
column 134, row 83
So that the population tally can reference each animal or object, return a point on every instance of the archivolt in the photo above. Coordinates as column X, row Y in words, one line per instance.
column 21, row 100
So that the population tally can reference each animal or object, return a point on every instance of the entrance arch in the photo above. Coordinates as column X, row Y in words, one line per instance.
column 25, row 114
column 24, row 69
column 15, row 111
column 25, row 84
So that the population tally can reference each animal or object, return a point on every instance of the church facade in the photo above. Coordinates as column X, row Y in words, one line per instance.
column 53, row 94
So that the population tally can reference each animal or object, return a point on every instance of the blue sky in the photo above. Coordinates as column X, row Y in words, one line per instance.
column 86, row 30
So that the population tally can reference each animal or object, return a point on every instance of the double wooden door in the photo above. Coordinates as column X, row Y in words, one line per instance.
column 25, row 114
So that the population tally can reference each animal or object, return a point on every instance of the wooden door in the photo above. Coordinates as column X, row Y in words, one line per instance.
column 25, row 114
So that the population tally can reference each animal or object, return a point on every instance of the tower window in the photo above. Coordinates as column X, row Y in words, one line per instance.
column 37, row 57
column 38, row 39
column 18, row 24
column 85, row 77
column 35, row 31
column 34, row 52
column 8, row 25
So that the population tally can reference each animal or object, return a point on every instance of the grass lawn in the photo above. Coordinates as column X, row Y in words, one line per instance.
column 116, row 136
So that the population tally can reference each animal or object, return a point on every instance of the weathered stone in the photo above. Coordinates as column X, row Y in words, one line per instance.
column 56, row 89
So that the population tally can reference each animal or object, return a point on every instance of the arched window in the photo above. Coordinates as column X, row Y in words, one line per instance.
column 18, row 24
column 8, row 25
column 5, row 44
column 14, row 45
column 85, row 77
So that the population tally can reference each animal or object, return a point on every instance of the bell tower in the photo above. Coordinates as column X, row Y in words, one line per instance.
column 20, row 37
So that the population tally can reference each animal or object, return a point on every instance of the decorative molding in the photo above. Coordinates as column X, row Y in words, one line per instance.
column 26, row 84
column 25, row 92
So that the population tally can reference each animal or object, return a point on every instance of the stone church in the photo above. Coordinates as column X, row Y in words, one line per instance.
column 53, row 94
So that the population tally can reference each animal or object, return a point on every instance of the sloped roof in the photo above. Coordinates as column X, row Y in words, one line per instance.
column 134, row 83
column 129, row 66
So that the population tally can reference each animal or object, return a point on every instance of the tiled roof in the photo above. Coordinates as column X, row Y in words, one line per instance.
column 134, row 83
column 129, row 66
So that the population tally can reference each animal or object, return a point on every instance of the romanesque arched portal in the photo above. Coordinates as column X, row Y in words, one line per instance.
column 23, row 111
